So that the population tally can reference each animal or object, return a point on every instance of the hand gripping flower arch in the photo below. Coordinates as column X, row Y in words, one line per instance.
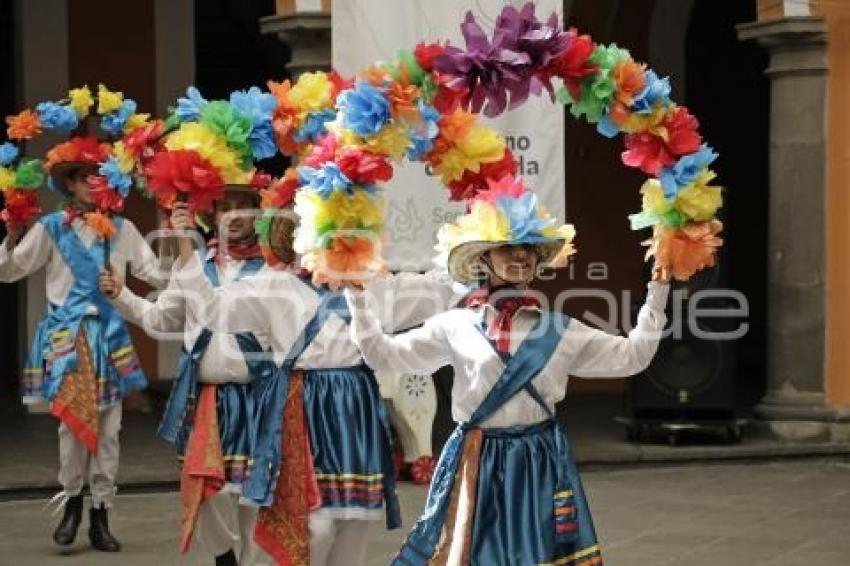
column 423, row 106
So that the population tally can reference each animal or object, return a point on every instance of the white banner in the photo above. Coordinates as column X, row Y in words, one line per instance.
column 368, row 31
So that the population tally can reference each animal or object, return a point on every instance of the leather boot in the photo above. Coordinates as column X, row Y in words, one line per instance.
column 66, row 531
column 99, row 535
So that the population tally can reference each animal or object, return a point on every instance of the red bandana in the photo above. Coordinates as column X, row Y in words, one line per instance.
column 506, row 304
column 235, row 250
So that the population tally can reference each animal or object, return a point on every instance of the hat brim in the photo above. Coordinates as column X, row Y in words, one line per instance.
column 464, row 263
column 64, row 170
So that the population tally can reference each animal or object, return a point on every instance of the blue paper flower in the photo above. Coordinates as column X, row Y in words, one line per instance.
column 607, row 127
column 189, row 107
column 656, row 90
column 685, row 171
column 523, row 215
column 365, row 109
column 256, row 104
column 262, row 141
column 423, row 136
column 324, row 180
column 116, row 178
column 8, row 153
column 314, row 126
column 57, row 117
column 114, row 122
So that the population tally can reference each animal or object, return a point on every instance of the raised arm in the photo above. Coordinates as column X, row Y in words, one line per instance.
column 19, row 259
column 423, row 350
column 599, row 354
column 165, row 314
column 144, row 263
column 405, row 300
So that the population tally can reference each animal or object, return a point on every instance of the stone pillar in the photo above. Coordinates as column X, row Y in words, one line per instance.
column 305, row 26
column 794, row 406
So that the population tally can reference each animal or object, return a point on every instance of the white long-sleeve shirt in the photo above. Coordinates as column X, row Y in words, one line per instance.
column 451, row 338
column 171, row 316
column 37, row 249
column 281, row 304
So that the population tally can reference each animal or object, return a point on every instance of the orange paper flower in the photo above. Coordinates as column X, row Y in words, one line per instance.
column 681, row 252
column 23, row 126
column 101, row 224
column 348, row 260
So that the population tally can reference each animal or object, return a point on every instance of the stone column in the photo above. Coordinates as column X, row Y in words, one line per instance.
column 305, row 26
column 794, row 406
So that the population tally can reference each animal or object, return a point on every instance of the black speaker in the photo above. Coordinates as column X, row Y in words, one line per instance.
column 692, row 376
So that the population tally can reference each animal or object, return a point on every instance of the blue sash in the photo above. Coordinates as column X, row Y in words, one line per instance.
column 249, row 267
column 63, row 323
column 270, row 399
column 521, row 368
column 184, row 392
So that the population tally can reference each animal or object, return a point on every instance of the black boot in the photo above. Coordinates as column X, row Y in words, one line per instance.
column 226, row 559
column 99, row 535
column 66, row 531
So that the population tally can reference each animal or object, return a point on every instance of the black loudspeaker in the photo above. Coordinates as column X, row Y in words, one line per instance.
column 692, row 376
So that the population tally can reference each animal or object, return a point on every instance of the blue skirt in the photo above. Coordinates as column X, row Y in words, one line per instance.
column 37, row 383
column 233, row 411
column 349, row 436
column 518, row 502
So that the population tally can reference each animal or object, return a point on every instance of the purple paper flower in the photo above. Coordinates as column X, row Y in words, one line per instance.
column 510, row 65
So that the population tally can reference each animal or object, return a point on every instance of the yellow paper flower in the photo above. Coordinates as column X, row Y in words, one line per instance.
column 393, row 140
column 212, row 147
column 7, row 178
column 311, row 92
column 638, row 123
column 123, row 156
column 699, row 200
column 136, row 121
column 81, row 100
column 107, row 101
column 654, row 200
column 485, row 223
column 480, row 145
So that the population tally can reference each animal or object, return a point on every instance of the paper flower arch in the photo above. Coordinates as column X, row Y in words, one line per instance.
column 347, row 135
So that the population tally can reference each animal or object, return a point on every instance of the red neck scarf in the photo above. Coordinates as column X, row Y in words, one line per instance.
column 506, row 301
column 238, row 250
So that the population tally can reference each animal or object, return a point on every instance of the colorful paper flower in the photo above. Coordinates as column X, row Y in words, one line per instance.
column 23, row 126
column 115, row 176
column 574, row 64
column 106, row 198
column 189, row 107
column 681, row 252
column 114, row 122
column 656, row 91
column 81, row 100
column 324, row 180
column 8, row 153
column 473, row 182
column 314, row 125
column 57, row 117
column 364, row 109
column 29, row 174
column 82, row 149
column 101, row 224
column 364, row 167
column 7, row 178
column 686, row 170
column 21, row 206
column 312, row 92
column 108, row 101
column 651, row 152
column 188, row 172
column 212, row 147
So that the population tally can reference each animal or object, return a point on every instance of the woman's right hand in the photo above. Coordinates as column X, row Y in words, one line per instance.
column 110, row 285
column 13, row 234
column 184, row 221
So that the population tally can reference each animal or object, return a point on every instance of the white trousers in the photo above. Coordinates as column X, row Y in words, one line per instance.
column 76, row 463
column 337, row 542
column 223, row 524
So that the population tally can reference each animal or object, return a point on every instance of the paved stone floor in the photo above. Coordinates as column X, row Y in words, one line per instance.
column 788, row 513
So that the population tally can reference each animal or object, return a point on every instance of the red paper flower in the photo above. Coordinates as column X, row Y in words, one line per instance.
column 184, row 171
column 677, row 136
column 21, row 207
column 87, row 150
column 322, row 152
column 425, row 54
column 142, row 143
column 364, row 167
column 574, row 64
column 104, row 197
column 282, row 192
column 472, row 183
column 261, row 180
column 339, row 84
